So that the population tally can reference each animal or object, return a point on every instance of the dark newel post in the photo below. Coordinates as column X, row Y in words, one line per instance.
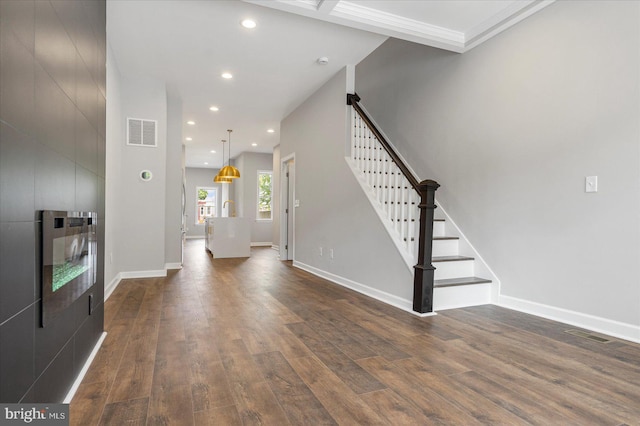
column 423, row 277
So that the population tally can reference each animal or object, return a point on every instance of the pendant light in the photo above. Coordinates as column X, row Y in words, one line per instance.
column 218, row 178
column 229, row 171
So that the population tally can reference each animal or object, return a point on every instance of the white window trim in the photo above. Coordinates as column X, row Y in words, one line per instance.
column 215, row 205
column 258, row 195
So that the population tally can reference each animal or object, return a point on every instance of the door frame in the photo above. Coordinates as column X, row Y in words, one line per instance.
column 287, row 164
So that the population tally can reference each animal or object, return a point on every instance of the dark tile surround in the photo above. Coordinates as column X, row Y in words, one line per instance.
column 52, row 156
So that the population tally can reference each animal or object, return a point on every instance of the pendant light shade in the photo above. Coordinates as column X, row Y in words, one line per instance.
column 229, row 171
column 218, row 178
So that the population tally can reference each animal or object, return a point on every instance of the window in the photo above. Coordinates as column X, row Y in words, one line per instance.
column 205, row 204
column 264, row 195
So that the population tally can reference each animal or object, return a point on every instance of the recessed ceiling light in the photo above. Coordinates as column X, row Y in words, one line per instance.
column 205, row 163
column 254, row 144
column 191, row 122
column 214, row 108
column 188, row 138
column 227, row 75
column 270, row 131
column 248, row 23
column 212, row 151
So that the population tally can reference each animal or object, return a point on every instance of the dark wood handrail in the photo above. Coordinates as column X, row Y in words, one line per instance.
column 353, row 99
column 424, row 270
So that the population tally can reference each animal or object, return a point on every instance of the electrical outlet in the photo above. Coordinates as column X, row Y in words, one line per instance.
column 591, row 184
column 331, row 253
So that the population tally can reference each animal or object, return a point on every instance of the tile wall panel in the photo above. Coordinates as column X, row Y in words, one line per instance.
column 52, row 155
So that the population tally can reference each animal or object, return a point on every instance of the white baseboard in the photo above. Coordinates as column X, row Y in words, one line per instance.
column 390, row 299
column 143, row 274
column 261, row 244
column 85, row 368
column 275, row 247
column 174, row 265
column 194, row 237
column 609, row 327
column 108, row 289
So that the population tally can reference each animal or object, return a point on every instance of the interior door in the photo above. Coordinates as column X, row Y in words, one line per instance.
column 287, row 222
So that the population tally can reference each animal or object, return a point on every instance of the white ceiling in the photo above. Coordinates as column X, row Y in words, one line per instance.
column 188, row 44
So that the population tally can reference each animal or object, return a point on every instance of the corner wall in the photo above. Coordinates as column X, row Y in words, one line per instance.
column 246, row 192
column 275, row 198
column 142, row 205
column 175, row 170
column 334, row 213
column 510, row 129
column 199, row 177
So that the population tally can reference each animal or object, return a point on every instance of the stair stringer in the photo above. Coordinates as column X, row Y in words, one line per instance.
column 382, row 215
column 465, row 248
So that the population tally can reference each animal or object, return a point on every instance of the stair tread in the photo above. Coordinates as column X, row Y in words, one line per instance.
column 438, row 220
column 446, row 237
column 450, row 258
column 449, row 282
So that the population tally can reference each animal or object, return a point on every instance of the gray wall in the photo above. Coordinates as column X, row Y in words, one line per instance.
column 174, row 167
column 511, row 129
column 141, row 205
column 334, row 212
column 52, row 157
column 275, row 198
column 115, row 127
column 199, row 177
column 246, row 193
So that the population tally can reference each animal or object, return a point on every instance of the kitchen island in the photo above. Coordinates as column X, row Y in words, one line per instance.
column 228, row 237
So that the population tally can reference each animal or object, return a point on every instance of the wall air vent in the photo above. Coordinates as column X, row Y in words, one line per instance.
column 142, row 132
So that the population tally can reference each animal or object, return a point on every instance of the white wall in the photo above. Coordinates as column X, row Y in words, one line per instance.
column 511, row 129
column 275, row 197
column 238, row 188
column 174, row 167
column 246, row 187
column 200, row 177
column 334, row 213
column 143, row 219
column 114, row 147
column 141, row 205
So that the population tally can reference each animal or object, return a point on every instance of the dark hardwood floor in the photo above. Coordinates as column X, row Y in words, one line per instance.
column 256, row 341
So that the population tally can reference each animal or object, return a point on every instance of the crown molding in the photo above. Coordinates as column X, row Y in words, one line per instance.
column 354, row 15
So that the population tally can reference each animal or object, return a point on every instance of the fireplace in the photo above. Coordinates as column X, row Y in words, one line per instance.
column 69, row 259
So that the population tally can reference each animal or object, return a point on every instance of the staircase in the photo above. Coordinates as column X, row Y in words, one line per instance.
column 455, row 284
column 392, row 189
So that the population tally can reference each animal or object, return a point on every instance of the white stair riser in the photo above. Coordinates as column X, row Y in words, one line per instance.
column 454, row 269
column 438, row 229
column 461, row 296
column 445, row 247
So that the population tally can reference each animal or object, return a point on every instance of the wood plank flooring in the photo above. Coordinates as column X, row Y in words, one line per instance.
column 258, row 342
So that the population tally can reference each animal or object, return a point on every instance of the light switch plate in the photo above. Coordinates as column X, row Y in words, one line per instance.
column 297, row 203
column 591, row 184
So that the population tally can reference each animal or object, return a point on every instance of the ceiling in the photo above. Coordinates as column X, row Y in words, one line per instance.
column 189, row 44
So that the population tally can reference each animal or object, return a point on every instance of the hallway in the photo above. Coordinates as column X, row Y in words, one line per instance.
column 256, row 341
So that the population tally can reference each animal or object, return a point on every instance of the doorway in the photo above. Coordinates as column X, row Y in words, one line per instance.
column 287, row 211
